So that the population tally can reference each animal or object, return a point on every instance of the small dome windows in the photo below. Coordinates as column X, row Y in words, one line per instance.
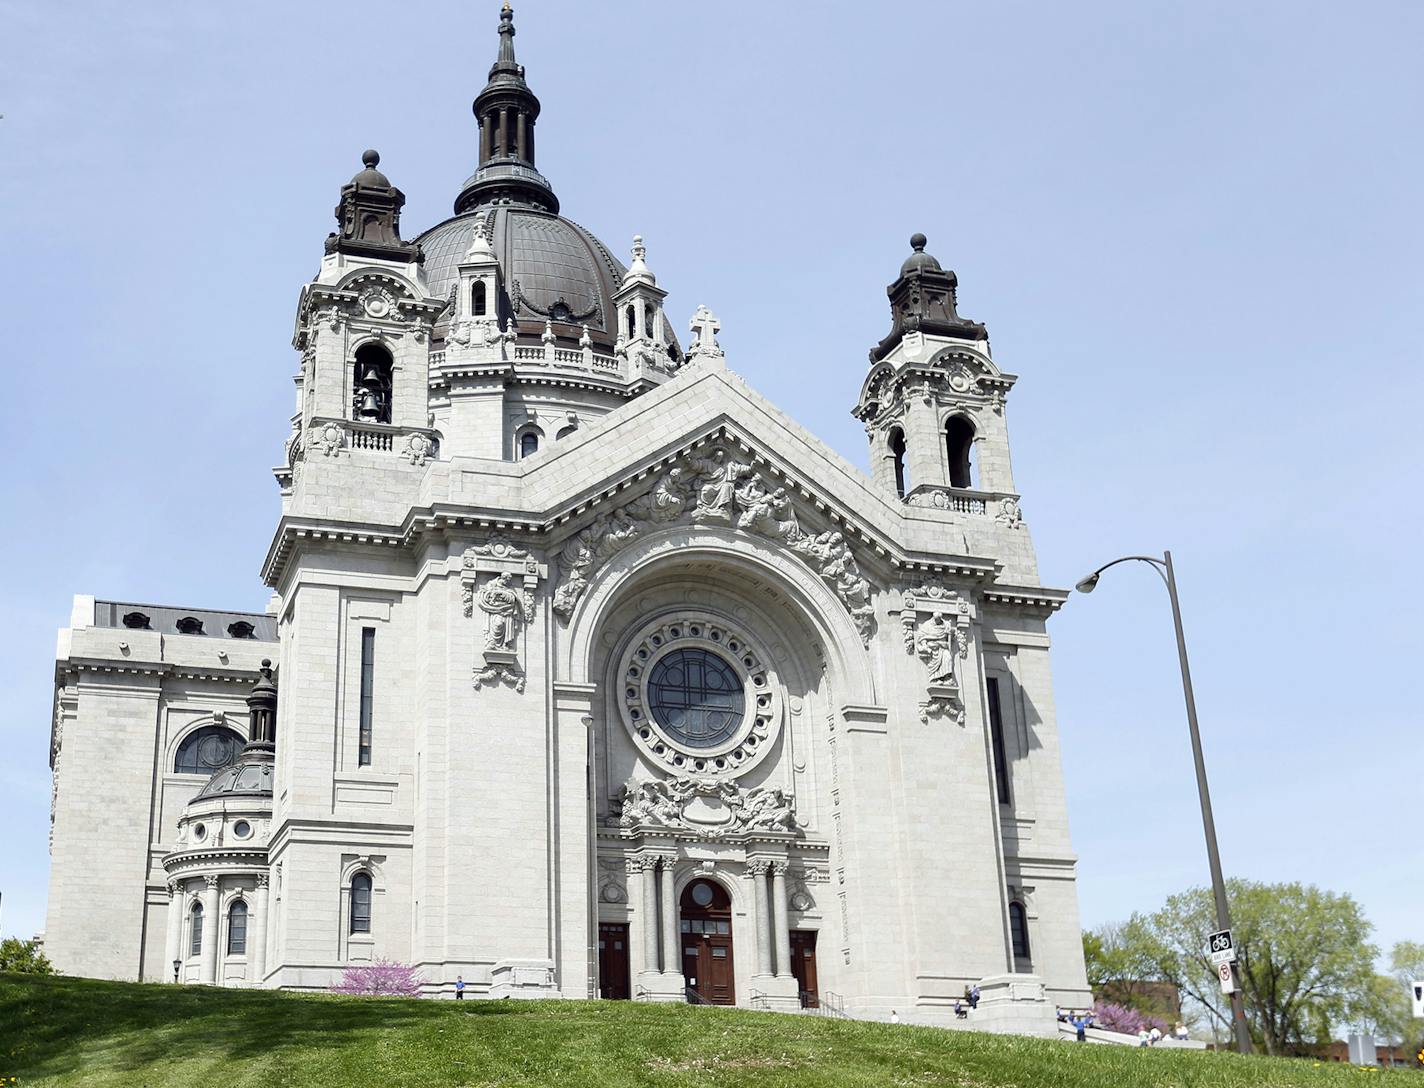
column 242, row 829
column 136, row 621
column 189, row 625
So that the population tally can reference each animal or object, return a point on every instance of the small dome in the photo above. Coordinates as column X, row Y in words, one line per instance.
column 371, row 178
column 243, row 777
column 919, row 261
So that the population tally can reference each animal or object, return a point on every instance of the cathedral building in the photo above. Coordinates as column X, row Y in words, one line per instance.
column 588, row 671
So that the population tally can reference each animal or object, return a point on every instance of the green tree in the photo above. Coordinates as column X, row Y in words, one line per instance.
column 1122, row 961
column 1305, row 959
column 23, row 957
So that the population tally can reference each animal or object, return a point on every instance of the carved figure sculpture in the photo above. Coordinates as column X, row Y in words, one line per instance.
column 934, row 643
column 503, row 606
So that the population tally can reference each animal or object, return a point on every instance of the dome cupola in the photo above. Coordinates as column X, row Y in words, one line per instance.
column 506, row 111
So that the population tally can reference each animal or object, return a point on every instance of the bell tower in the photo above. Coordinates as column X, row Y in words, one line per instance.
column 933, row 402
column 363, row 331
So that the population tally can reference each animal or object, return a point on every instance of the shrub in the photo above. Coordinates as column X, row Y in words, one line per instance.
column 1121, row 1018
column 380, row 979
column 23, row 957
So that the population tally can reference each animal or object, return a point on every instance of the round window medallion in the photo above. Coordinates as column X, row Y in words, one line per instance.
column 697, row 696
column 702, row 894
column 242, row 829
column 200, row 832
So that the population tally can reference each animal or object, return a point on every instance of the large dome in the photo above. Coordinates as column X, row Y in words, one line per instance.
column 553, row 269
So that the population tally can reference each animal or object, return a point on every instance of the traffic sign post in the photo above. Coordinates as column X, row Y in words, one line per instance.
column 1220, row 948
column 1228, row 980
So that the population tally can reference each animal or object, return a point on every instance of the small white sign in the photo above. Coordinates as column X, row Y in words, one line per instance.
column 1416, row 992
column 1228, row 981
column 1226, row 955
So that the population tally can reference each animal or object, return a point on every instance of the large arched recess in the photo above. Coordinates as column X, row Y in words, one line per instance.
column 814, row 647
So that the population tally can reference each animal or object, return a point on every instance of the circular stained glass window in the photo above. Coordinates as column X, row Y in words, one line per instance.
column 702, row 895
column 696, row 696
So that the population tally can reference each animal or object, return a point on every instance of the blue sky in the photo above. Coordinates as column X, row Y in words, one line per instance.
column 1193, row 231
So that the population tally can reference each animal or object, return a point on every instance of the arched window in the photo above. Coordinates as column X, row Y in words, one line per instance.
column 959, row 441
column 529, row 442
column 206, row 750
column 237, row 929
column 897, row 451
column 477, row 298
column 632, row 316
column 1018, row 930
column 361, row 903
column 570, row 429
column 371, row 384
column 195, row 936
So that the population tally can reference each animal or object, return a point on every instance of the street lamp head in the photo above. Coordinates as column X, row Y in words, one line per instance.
column 1088, row 584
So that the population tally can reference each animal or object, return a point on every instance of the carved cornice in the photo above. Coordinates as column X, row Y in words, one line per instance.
column 442, row 518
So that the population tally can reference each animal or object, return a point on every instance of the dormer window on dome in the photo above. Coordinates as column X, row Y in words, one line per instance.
column 189, row 625
column 136, row 621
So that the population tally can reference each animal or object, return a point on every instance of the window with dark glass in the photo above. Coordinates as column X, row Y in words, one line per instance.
column 237, row 929
column 477, row 298
column 195, row 935
column 1018, row 930
column 368, row 673
column 528, row 443
column 361, row 903
column 996, row 735
column 696, row 697
column 206, row 750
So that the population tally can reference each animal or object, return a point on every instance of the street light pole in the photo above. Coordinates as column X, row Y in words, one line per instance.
column 1163, row 567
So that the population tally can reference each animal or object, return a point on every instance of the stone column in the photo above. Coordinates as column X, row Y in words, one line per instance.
column 519, row 136
column 257, row 933
column 503, row 131
column 208, row 960
column 648, row 917
column 174, row 943
column 780, row 920
column 672, row 952
column 756, row 872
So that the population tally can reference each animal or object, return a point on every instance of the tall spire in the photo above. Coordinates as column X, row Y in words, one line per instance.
column 506, row 111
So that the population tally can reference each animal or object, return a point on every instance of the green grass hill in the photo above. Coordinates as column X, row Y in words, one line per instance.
column 64, row 1031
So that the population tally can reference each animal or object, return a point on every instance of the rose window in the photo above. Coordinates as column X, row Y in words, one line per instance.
column 698, row 696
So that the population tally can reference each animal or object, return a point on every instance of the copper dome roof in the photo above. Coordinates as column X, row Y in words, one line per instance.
column 552, row 269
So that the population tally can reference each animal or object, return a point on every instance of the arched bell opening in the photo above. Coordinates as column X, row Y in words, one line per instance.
column 371, row 384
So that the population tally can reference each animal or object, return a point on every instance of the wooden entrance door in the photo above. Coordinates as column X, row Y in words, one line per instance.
column 613, row 961
column 706, row 928
column 803, row 966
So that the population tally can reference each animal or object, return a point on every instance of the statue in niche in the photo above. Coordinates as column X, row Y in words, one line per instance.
column 503, row 606
column 935, row 645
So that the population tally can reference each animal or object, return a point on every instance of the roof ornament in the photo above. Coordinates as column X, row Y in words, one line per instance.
column 704, row 327
column 479, row 242
column 638, row 271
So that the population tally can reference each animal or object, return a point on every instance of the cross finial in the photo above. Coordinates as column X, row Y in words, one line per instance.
column 705, row 326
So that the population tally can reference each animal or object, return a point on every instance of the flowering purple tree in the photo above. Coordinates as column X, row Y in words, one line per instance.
column 1121, row 1018
column 380, row 979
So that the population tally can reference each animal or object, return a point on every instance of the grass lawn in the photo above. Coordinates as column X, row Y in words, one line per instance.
column 63, row 1031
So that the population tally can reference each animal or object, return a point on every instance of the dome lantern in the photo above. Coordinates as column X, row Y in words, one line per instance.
column 506, row 111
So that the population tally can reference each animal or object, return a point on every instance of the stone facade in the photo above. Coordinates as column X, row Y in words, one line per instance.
column 499, row 523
